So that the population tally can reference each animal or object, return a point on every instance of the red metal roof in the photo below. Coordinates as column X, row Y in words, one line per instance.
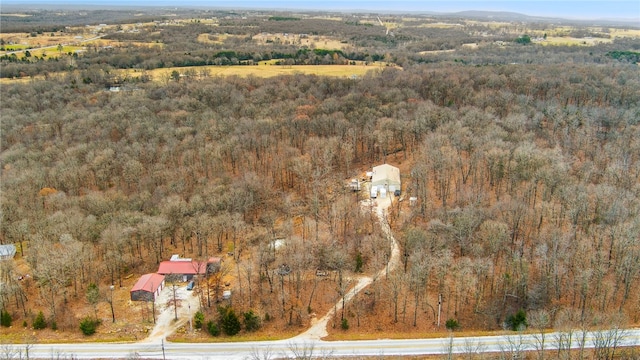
column 148, row 282
column 182, row 267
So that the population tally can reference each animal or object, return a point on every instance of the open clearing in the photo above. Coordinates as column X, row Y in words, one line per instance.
column 17, row 15
column 269, row 70
column 440, row 25
column 320, row 42
column 634, row 33
column 19, row 41
column 261, row 70
column 552, row 40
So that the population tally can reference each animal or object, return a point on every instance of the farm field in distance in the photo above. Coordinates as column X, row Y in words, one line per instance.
column 259, row 70
column 128, row 137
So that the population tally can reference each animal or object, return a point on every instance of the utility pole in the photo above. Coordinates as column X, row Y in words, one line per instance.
column 153, row 303
column 439, row 308
column 163, row 355
column 113, row 314
column 175, row 303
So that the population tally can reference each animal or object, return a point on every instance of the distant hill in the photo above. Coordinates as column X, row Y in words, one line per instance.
column 497, row 15
column 337, row 6
column 514, row 16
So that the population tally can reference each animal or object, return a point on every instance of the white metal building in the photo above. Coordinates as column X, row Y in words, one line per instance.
column 386, row 177
column 7, row 252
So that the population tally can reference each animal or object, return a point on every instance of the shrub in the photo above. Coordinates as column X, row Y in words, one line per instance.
column 54, row 325
column 198, row 320
column 359, row 262
column 452, row 324
column 229, row 321
column 517, row 321
column 39, row 322
column 88, row 325
column 213, row 329
column 5, row 318
column 345, row 324
column 524, row 39
column 251, row 321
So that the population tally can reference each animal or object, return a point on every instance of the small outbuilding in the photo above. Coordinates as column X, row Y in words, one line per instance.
column 7, row 252
column 386, row 177
column 147, row 288
column 355, row 185
column 213, row 265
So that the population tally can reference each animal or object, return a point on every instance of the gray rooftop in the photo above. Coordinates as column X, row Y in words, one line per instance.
column 7, row 250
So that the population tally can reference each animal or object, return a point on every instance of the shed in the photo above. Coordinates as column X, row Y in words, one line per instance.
column 7, row 252
column 147, row 288
column 213, row 265
column 386, row 177
column 355, row 185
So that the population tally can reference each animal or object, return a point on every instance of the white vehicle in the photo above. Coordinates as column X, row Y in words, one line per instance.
column 374, row 192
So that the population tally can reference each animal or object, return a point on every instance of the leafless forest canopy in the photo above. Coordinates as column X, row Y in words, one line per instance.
column 525, row 160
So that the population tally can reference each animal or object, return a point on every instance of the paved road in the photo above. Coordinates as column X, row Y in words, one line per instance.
column 289, row 348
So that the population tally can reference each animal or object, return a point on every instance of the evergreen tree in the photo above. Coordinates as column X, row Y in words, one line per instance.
column 229, row 321
column 88, row 325
column 517, row 321
column 251, row 321
column 452, row 324
column 39, row 322
column 213, row 328
column 198, row 320
column 5, row 318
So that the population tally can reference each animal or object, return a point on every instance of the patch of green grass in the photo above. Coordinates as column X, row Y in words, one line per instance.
column 69, row 49
column 15, row 47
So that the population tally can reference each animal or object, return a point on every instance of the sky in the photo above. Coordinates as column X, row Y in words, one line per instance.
column 570, row 9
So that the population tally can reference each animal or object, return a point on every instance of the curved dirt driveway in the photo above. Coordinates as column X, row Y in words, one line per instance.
column 318, row 329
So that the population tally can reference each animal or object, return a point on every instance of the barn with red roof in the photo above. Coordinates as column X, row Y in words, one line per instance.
column 178, row 269
column 147, row 287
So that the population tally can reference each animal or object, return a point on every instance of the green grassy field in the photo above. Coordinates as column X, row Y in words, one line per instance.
column 15, row 47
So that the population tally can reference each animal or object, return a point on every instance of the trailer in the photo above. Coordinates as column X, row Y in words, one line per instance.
column 355, row 185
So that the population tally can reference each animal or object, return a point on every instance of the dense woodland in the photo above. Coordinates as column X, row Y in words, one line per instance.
column 525, row 161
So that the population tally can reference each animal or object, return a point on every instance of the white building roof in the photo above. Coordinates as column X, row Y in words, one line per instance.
column 7, row 251
column 385, row 174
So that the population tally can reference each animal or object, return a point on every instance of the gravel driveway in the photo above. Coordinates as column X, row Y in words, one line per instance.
column 187, row 305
